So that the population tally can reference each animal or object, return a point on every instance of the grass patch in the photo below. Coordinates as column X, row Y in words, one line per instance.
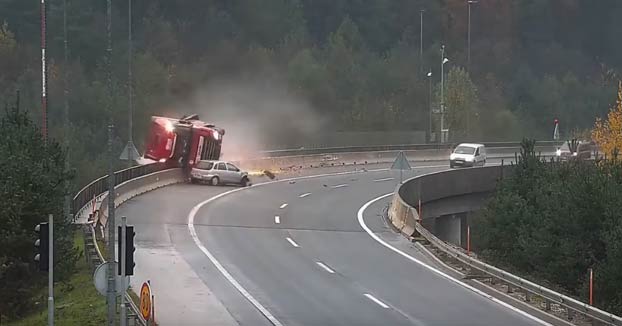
column 77, row 302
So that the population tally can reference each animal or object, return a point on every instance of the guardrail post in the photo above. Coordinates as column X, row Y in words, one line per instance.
column 547, row 305
column 570, row 313
column 527, row 296
column 509, row 288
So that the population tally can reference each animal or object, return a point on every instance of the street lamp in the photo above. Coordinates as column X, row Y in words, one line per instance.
column 444, row 60
column 430, row 107
column 469, row 3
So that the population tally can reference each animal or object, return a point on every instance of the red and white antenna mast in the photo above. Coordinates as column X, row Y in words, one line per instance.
column 44, row 72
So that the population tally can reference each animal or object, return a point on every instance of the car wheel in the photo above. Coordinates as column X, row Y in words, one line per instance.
column 244, row 182
column 451, row 165
column 193, row 180
column 215, row 181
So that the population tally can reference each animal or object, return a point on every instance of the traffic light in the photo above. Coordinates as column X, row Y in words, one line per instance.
column 129, row 249
column 43, row 246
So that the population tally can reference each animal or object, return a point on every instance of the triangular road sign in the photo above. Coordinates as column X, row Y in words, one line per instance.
column 129, row 147
column 401, row 162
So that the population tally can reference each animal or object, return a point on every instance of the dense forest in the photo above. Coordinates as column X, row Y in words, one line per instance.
column 287, row 67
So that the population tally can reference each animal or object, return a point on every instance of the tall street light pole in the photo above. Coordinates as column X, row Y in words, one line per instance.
column 430, row 107
column 444, row 60
column 130, row 84
column 469, row 3
column 111, row 295
column 421, row 38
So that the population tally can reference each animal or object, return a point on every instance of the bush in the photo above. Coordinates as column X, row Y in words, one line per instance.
column 554, row 221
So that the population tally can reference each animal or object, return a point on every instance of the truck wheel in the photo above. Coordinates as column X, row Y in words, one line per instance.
column 451, row 165
column 215, row 181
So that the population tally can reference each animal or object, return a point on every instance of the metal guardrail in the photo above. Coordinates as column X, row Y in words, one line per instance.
column 381, row 148
column 100, row 185
column 411, row 214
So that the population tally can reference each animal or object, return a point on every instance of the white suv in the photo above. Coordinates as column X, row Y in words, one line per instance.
column 218, row 172
column 468, row 155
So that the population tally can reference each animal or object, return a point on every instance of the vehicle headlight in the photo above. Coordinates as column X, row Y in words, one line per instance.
column 558, row 152
column 574, row 154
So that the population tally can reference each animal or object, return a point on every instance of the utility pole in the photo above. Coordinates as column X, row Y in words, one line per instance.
column 111, row 293
column 44, row 72
column 130, row 85
column 123, row 244
column 430, row 106
column 67, row 199
column 421, row 39
column 51, row 271
column 469, row 3
column 443, row 62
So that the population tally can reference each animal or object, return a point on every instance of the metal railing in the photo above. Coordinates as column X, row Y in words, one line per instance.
column 381, row 148
column 100, row 185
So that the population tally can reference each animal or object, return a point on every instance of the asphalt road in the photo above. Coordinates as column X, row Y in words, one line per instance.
column 293, row 253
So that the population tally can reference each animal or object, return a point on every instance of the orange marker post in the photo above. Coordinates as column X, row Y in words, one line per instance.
column 468, row 240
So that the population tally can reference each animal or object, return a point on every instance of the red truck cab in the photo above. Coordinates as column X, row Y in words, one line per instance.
column 183, row 142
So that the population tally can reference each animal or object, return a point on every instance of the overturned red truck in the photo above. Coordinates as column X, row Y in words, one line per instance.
column 183, row 142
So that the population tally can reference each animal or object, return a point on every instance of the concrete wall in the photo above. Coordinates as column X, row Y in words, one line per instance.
column 436, row 186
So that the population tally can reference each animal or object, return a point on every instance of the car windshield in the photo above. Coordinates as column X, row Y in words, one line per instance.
column 205, row 165
column 464, row 150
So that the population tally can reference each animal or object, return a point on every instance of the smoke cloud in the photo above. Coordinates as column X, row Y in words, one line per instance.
column 256, row 115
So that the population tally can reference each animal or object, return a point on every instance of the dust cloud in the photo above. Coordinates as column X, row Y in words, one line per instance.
column 256, row 116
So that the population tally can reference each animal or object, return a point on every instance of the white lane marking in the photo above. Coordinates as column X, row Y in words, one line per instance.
column 304, row 195
column 326, row 268
column 442, row 274
column 374, row 299
column 340, row 186
column 283, row 206
column 292, row 242
column 277, row 219
column 221, row 268
column 384, row 179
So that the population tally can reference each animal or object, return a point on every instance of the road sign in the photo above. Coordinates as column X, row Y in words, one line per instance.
column 100, row 278
column 401, row 162
column 145, row 301
column 127, row 149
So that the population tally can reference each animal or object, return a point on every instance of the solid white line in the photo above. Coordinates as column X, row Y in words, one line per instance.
column 304, row 195
column 442, row 274
column 384, row 179
column 277, row 219
column 340, row 186
column 326, row 268
column 221, row 268
column 283, row 206
column 372, row 298
column 292, row 242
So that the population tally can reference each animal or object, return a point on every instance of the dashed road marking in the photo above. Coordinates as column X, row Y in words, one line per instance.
column 292, row 242
column 340, row 186
column 283, row 206
column 374, row 299
column 384, row 179
column 305, row 195
column 277, row 219
column 326, row 268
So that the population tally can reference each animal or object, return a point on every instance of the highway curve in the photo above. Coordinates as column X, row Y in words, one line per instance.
column 295, row 253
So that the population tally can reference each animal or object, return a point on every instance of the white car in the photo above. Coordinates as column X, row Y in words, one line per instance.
column 468, row 155
column 218, row 172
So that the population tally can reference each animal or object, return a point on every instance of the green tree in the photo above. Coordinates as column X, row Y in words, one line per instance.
column 461, row 104
column 32, row 185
